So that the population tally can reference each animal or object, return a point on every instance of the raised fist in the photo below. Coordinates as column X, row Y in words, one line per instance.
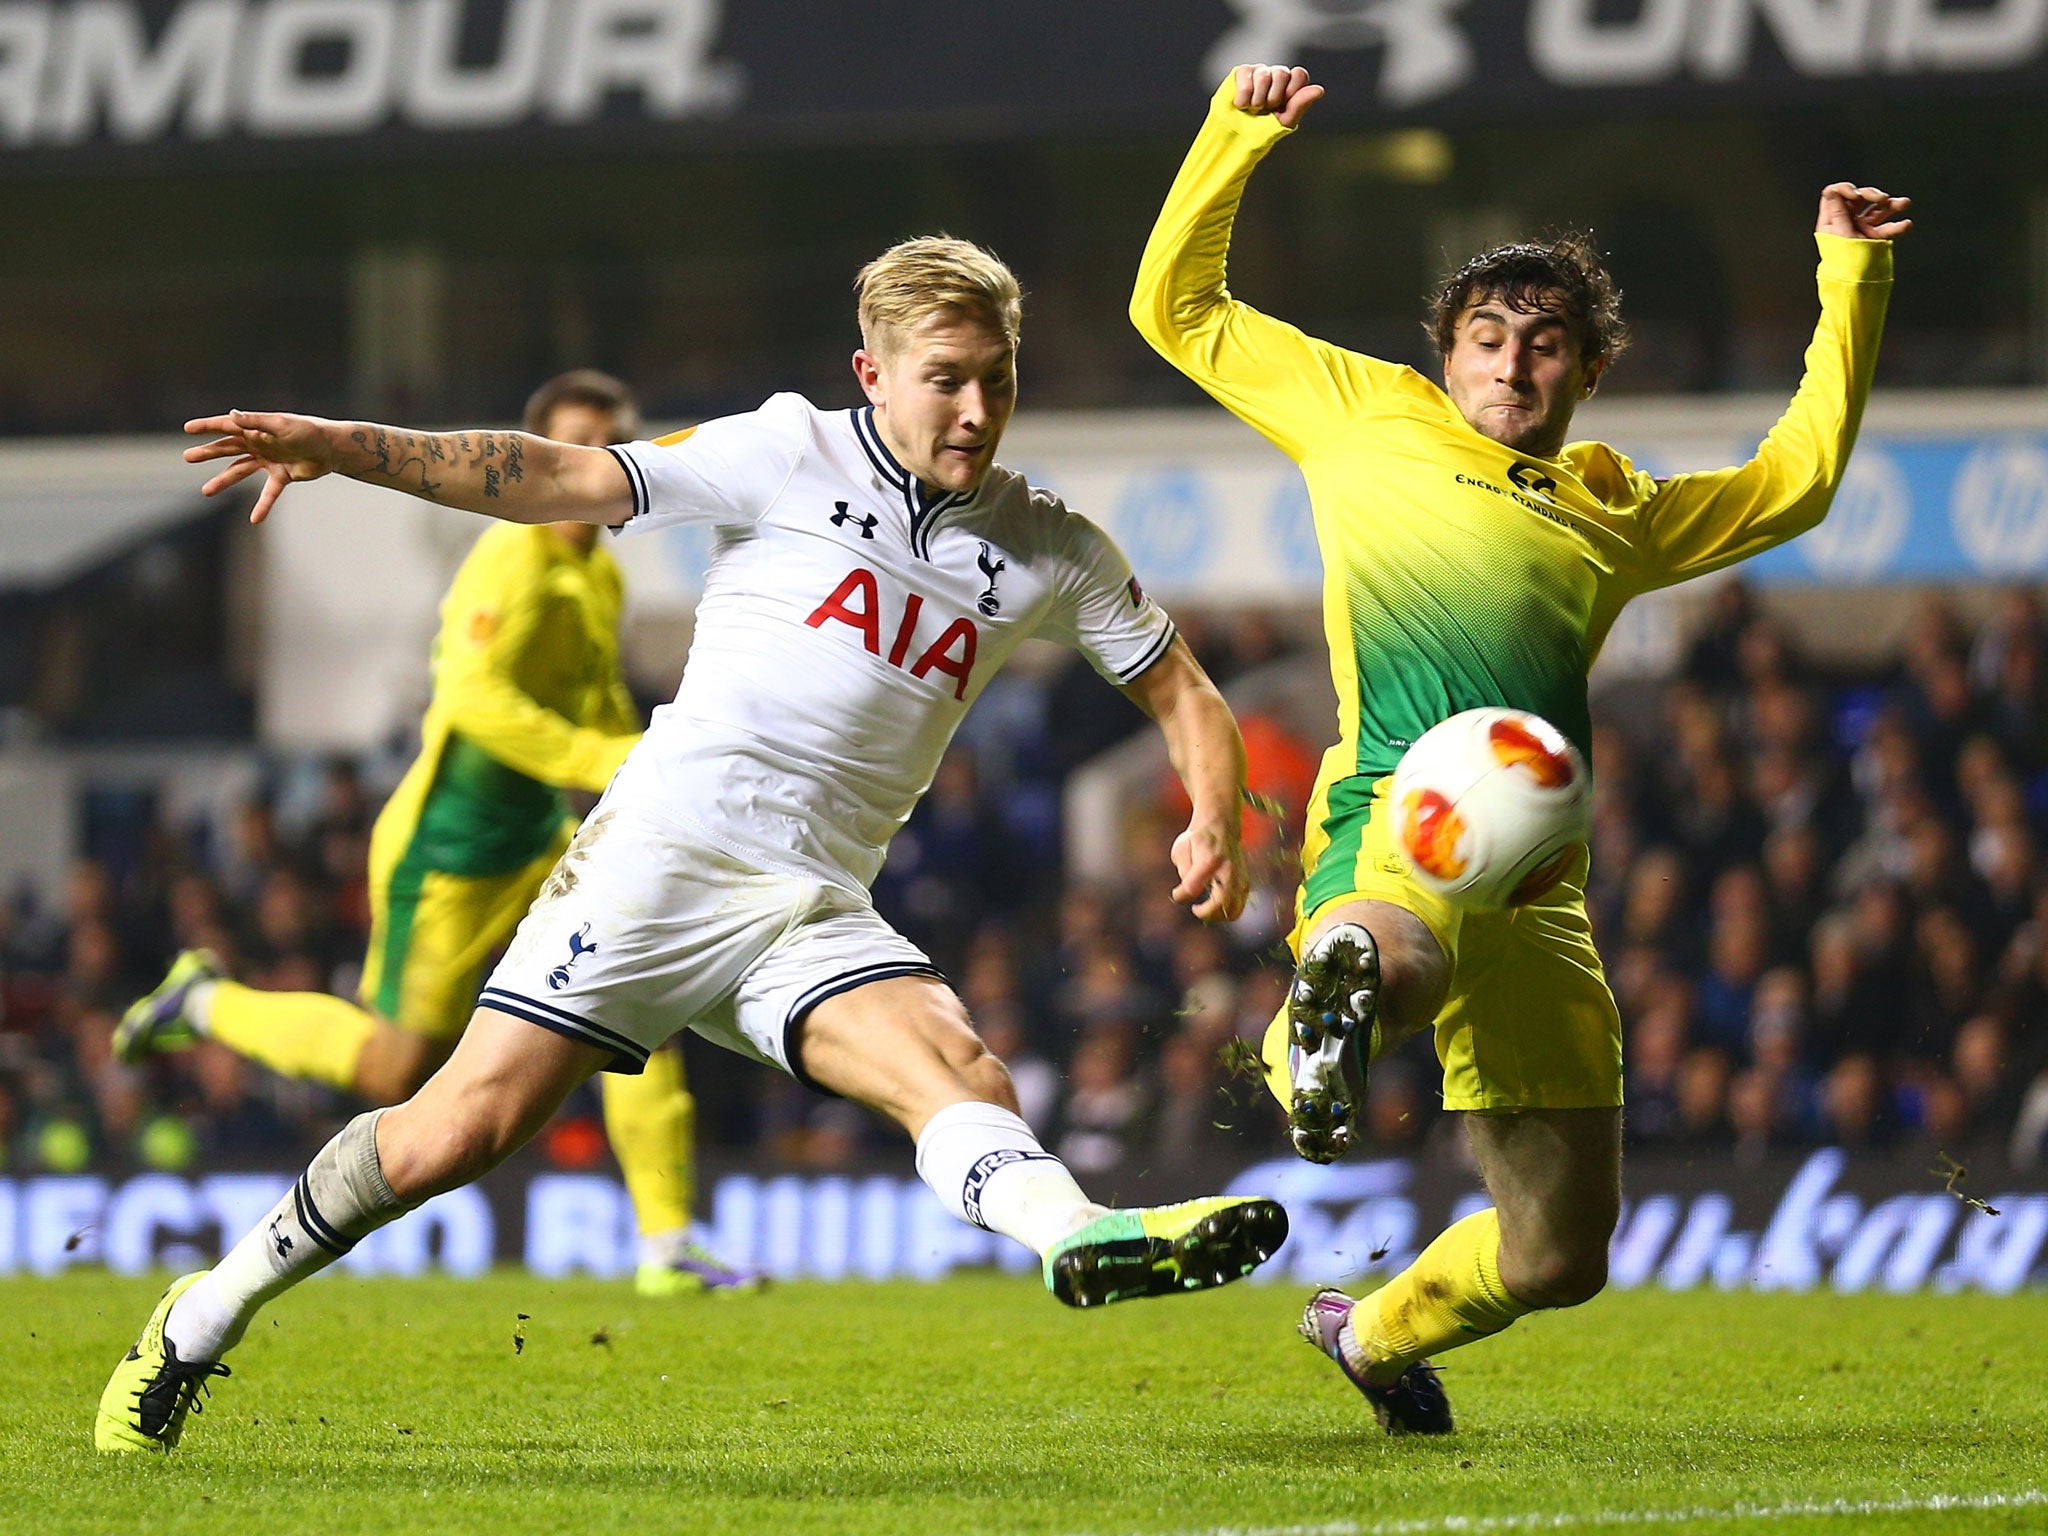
column 1858, row 213
column 1275, row 88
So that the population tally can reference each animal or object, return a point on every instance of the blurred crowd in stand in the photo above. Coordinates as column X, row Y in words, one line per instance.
column 1821, row 899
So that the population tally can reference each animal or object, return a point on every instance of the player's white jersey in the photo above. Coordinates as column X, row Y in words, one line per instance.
column 849, row 619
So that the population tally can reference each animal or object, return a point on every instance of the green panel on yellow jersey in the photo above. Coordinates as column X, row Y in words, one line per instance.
column 1456, row 593
column 481, row 817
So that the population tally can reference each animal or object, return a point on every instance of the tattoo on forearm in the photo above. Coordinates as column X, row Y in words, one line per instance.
column 400, row 457
column 491, row 446
column 411, row 461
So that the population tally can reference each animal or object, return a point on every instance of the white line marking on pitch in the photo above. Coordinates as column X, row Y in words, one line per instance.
column 1477, row 1525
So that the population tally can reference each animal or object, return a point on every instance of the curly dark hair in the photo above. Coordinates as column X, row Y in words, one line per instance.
column 587, row 387
column 1562, row 274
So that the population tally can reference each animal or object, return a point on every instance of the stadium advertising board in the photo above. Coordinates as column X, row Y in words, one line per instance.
column 85, row 76
column 1824, row 1220
column 1936, row 509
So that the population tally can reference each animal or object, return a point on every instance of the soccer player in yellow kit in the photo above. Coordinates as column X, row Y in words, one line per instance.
column 528, row 702
column 1472, row 557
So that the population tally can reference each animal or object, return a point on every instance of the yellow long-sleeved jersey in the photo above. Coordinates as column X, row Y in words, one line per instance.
column 1458, row 573
column 528, row 701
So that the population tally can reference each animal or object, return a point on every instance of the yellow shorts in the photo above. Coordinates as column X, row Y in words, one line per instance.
column 432, row 933
column 1529, row 1022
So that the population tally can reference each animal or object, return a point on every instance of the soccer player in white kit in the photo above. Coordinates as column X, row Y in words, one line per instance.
column 872, row 570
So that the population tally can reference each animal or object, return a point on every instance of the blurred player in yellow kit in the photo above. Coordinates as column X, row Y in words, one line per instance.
column 1473, row 558
column 528, row 702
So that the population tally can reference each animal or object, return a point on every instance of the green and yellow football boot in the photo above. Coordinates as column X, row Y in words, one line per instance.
column 1160, row 1249
column 144, row 1406
column 158, row 1022
column 695, row 1269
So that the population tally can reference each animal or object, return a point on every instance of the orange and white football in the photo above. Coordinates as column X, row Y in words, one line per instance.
column 1491, row 807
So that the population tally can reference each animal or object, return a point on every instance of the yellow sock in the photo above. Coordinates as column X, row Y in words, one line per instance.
column 652, row 1121
column 1451, row 1295
column 298, row 1034
column 1273, row 1053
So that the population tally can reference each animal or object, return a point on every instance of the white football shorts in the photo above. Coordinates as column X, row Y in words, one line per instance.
column 648, row 927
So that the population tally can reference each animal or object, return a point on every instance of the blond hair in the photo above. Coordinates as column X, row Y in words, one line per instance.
column 915, row 279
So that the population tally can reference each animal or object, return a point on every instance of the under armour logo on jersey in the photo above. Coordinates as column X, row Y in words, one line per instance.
column 558, row 978
column 1530, row 478
column 988, row 602
column 865, row 522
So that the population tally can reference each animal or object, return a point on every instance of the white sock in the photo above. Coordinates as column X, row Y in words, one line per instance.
column 987, row 1167
column 210, row 1318
column 663, row 1247
column 198, row 1009
column 206, row 1322
column 339, row 1200
column 1353, row 1351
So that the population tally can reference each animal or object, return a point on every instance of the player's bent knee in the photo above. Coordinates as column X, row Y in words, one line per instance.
column 962, row 1050
column 426, row 1155
column 420, row 1167
column 471, row 1152
column 499, row 1086
column 1580, row 1285
column 1415, row 957
column 989, row 1080
column 396, row 1064
column 420, row 1063
column 979, row 1070
column 1414, row 974
column 904, row 1048
column 1557, row 1278
column 418, row 1164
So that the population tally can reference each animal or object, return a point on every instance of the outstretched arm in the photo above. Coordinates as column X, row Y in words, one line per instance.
column 1287, row 385
column 512, row 475
column 1702, row 522
column 1208, row 754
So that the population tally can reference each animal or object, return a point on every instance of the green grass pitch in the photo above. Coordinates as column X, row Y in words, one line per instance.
column 979, row 1405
